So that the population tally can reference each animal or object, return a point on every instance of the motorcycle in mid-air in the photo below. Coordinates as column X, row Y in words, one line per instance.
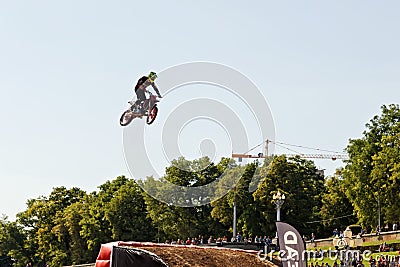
column 147, row 108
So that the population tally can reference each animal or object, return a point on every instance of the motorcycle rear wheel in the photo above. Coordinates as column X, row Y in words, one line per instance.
column 152, row 115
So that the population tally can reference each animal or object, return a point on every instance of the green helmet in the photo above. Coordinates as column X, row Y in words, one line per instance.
column 152, row 76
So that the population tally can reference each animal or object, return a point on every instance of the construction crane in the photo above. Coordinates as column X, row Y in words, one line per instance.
column 334, row 156
column 306, row 156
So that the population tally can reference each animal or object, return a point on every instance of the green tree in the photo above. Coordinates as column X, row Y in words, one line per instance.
column 371, row 173
column 173, row 222
column 12, row 241
column 49, row 241
column 127, row 214
column 69, row 224
column 386, row 175
column 96, row 228
column 249, row 219
column 303, row 186
column 336, row 206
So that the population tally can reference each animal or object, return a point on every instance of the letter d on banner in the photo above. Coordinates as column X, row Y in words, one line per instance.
column 292, row 244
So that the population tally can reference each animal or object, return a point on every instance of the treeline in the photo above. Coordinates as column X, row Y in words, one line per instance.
column 69, row 225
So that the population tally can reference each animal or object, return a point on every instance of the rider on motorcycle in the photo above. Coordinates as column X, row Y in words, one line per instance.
column 141, row 86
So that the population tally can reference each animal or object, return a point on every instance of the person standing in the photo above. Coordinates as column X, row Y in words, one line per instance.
column 312, row 237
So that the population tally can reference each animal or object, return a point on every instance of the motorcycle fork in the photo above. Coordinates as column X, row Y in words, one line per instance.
column 150, row 106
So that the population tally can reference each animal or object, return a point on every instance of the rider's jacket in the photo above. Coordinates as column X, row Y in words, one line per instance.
column 140, row 82
column 144, row 82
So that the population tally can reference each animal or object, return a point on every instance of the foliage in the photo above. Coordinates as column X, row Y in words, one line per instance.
column 372, row 172
column 249, row 219
column 49, row 239
column 12, row 240
column 177, row 222
column 302, row 185
column 126, row 213
column 68, row 226
column 336, row 210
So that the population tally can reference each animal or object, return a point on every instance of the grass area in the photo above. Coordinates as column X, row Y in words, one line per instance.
column 377, row 243
column 365, row 244
column 392, row 253
column 323, row 248
column 331, row 260
column 365, row 256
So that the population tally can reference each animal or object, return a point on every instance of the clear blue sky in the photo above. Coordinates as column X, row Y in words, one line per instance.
column 67, row 69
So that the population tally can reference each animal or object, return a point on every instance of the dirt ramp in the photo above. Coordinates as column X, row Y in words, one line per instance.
column 187, row 256
column 147, row 254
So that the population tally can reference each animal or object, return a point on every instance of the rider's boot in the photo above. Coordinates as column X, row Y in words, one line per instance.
column 134, row 106
column 139, row 105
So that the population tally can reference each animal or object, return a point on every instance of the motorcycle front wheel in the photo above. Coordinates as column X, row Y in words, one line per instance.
column 152, row 115
column 126, row 118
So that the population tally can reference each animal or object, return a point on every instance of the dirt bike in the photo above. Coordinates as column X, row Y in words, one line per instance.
column 147, row 108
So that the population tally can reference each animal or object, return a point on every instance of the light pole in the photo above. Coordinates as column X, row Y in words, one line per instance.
column 379, row 215
column 234, row 210
column 234, row 218
column 279, row 199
